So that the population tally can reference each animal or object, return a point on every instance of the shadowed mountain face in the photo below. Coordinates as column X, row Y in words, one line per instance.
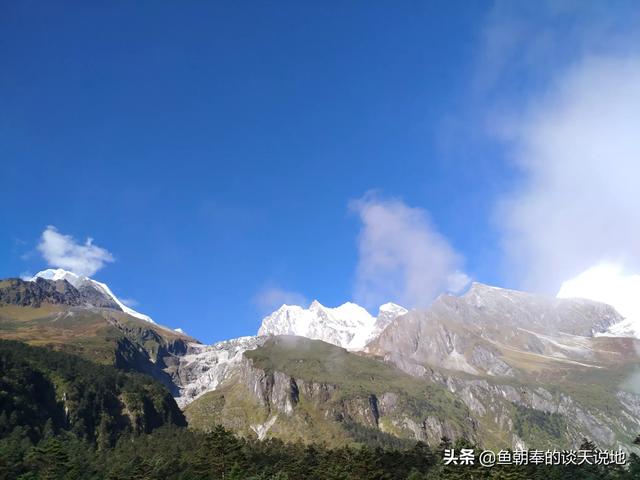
column 39, row 291
column 45, row 392
column 88, row 322
column 503, row 368
column 15, row 291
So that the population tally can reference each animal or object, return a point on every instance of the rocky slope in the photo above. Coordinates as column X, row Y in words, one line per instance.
column 300, row 389
column 86, row 321
column 93, row 293
column 204, row 368
column 474, row 333
column 531, row 370
column 510, row 355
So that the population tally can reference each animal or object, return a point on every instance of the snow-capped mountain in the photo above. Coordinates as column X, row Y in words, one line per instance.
column 204, row 368
column 91, row 288
column 349, row 326
column 386, row 314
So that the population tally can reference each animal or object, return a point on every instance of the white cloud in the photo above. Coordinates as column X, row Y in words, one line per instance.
column 402, row 257
column 270, row 298
column 523, row 45
column 561, row 84
column 579, row 150
column 607, row 283
column 62, row 251
column 130, row 302
column 26, row 275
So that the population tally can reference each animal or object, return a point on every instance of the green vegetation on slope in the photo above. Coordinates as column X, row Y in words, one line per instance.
column 320, row 362
column 100, row 335
column 53, row 408
column 342, row 402
column 43, row 392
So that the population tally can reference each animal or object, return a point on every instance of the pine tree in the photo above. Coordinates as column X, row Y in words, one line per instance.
column 415, row 474
column 49, row 459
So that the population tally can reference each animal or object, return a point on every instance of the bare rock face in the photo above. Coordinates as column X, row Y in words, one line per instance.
column 96, row 298
column 15, row 291
column 470, row 333
column 506, row 310
column 281, row 394
column 280, row 403
column 39, row 291
column 498, row 401
column 274, row 390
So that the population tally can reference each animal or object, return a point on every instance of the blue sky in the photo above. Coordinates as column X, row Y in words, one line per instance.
column 230, row 156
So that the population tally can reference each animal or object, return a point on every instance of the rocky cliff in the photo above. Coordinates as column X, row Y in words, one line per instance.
column 296, row 388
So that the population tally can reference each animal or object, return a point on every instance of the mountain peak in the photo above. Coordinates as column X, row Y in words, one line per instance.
column 393, row 308
column 60, row 274
column 82, row 283
column 483, row 287
column 348, row 325
column 315, row 305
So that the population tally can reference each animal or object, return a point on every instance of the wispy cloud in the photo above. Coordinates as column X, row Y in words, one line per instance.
column 62, row 251
column 130, row 302
column 523, row 45
column 402, row 257
column 571, row 223
column 578, row 149
column 26, row 275
column 609, row 284
column 272, row 297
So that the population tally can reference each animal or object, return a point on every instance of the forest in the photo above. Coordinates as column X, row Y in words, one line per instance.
column 62, row 417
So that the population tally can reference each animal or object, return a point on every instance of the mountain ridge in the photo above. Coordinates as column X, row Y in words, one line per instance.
column 83, row 282
column 523, row 369
column 348, row 325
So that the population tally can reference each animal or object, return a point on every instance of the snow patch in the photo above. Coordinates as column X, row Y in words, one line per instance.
column 261, row 429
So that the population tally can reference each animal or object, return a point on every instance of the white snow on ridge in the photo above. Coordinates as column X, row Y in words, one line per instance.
column 629, row 327
column 349, row 326
column 79, row 280
column 387, row 313
column 206, row 368
column 124, row 308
